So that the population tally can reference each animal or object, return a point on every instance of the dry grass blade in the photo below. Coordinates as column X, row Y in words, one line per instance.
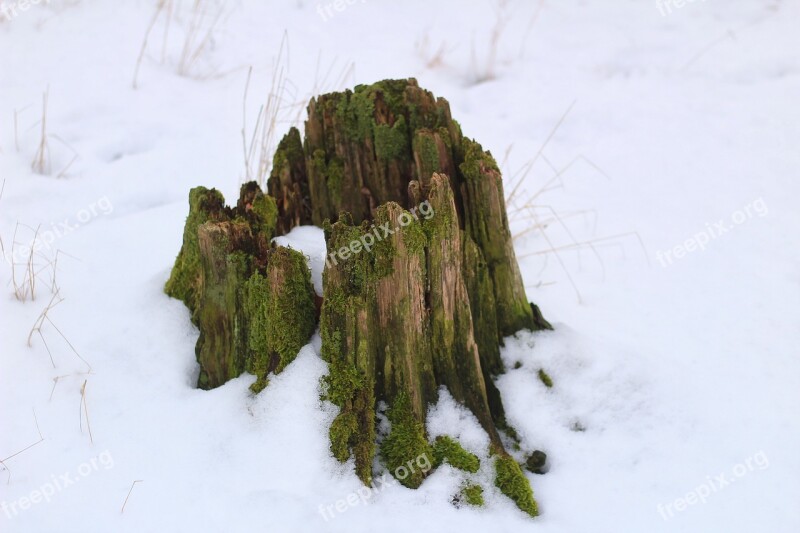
column 576, row 245
column 26, row 448
column 129, row 494
column 194, row 45
column 69, row 344
column 324, row 85
column 86, row 411
column 160, row 7
column 27, row 287
column 543, row 225
column 528, row 30
column 530, row 164
column 259, row 150
column 553, row 249
column 434, row 59
column 55, row 382
column 41, row 161
column 39, row 323
column 75, row 155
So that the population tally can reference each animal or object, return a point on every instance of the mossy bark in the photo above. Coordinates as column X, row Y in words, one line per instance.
column 222, row 346
column 363, row 148
column 253, row 302
column 429, row 304
column 412, row 302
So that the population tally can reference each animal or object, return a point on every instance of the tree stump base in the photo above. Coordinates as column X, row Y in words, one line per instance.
column 421, row 283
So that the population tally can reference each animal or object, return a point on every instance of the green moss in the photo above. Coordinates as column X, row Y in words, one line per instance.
column 334, row 176
column 291, row 146
column 414, row 237
column 450, row 451
column 391, row 142
column 266, row 212
column 476, row 161
column 288, row 157
column 544, row 378
column 331, row 171
column 427, row 153
column 440, row 224
column 342, row 382
column 353, row 431
column 361, row 268
column 355, row 110
column 342, row 431
column 281, row 311
column 204, row 205
column 392, row 92
column 512, row 482
column 405, row 442
column 473, row 494
column 383, row 253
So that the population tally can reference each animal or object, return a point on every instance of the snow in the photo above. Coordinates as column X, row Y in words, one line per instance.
column 676, row 373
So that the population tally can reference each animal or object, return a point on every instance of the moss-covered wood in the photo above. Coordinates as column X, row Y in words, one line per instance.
column 415, row 300
column 363, row 147
column 427, row 305
column 253, row 302
column 396, row 325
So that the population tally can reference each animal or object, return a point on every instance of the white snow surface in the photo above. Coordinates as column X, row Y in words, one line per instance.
column 667, row 371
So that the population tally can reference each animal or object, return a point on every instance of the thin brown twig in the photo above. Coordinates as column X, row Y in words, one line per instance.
column 69, row 343
column 593, row 241
column 159, row 8
column 85, row 410
column 561, row 120
column 41, row 161
column 129, row 494
column 41, row 438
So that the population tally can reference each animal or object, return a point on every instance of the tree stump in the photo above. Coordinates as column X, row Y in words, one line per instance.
column 424, row 307
column 421, row 283
column 253, row 302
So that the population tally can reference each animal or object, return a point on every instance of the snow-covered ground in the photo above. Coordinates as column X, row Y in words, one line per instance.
column 673, row 128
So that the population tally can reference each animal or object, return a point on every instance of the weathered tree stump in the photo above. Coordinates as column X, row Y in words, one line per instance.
column 252, row 302
column 421, row 284
column 427, row 306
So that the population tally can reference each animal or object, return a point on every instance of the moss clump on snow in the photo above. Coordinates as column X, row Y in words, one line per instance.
column 473, row 494
column 511, row 481
column 544, row 378
column 405, row 443
column 447, row 450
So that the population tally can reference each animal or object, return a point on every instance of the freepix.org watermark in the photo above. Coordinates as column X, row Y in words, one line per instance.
column 712, row 485
column 378, row 233
column 44, row 238
column 11, row 10
column 700, row 240
column 665, row 7
column 57, row 484
column 328, row 10
column 363, row 495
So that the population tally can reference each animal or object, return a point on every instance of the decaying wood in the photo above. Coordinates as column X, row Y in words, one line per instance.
column 430, row 305
column 252, row 301
column 404, row 312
